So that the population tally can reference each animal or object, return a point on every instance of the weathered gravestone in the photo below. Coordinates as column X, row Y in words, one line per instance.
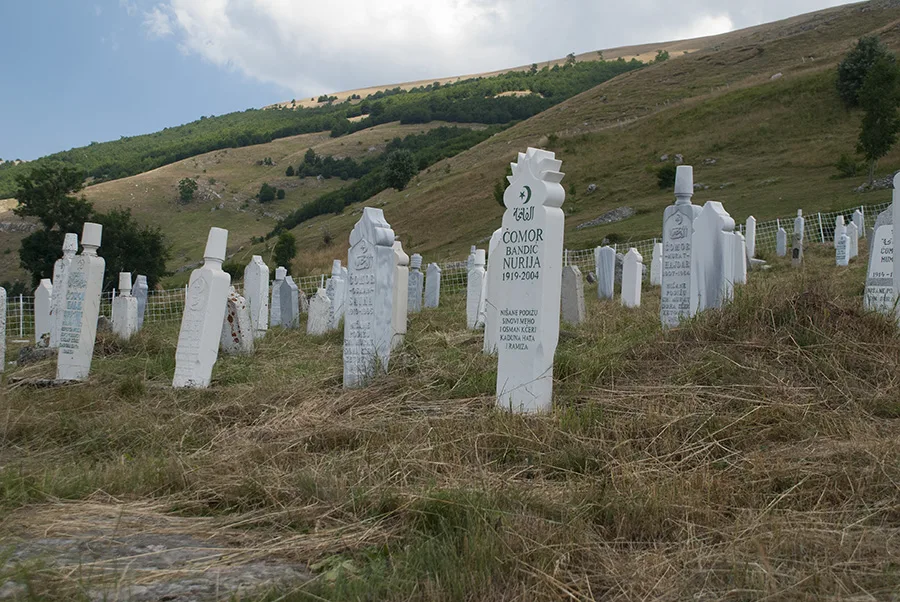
column 853, row 235
column 399, row 308
column 879, row 295
column 43, row 296
column 781, row 242
column 474, row 289
column 839, row 229
column 799, row 225
column 79, row 325
column 125, row 309
column 256, row 295
column 797, row 251
column 302, row 301
column 572, row 295
column 842, row 250
column 204, row 313
column 605, row 266
column 275, row 303
column 678, row 231
column 632, row 269
column 238, row 332
column 712, row 261
column 750, row 237
column 318, row 320
column 2, row 329
column 290, row 303
column 433, row 286
column 141, row 292
column 416, row 284
column 367, row 319
column 860, row 221
column 528, row 300
column 60, row 281
column 656, row 265
column 740, row 259
column 493, row 282
column 338, row 295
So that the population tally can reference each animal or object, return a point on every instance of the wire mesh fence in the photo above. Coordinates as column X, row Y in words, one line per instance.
column 168, row 305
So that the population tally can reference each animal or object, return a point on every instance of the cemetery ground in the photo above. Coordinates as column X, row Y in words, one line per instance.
column 749, row 454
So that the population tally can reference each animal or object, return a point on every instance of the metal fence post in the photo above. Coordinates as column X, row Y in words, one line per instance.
column 21, row 316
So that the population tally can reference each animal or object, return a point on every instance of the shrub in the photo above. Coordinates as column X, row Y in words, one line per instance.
column 186, row 189
column 665, row 176
column 266, row 193
column 847, row 167
column 289, row 172
column 280, row 193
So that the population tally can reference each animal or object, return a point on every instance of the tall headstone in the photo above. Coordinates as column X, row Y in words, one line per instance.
column 79, row 325
column 572, row 295
column 256, row 295
column 781, row 242
column 750, row 237
column 853, row 235
column 125, row 309
column 799, row 226
column 317, row 323
column 238, row 332
column 433, row 286
column 399, row 308
column 474, row 288
column 290, row 303
column 494, row 281
column 740, row 259
column 529, row 298
column 2, row 329
column 879, row 295
column 275, row 304
column 656, row 265
column 678, row 231
column 797, row 251
column 839, row 229
column 367, row 320
column 416, row 284
column 338, row 296
column 204, row 313
column 43, row 296
column 842, row 250
column 60, row 281
column 860, row 221
column 605, row 266
column 141, row 292
column 632, row 269
column 711, row 258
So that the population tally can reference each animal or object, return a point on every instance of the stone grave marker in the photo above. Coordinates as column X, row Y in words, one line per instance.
column 474, row 288
column 529, row 297
column 494, row 282
column 632, row 269
column 750, row 237
column 256, row 295
column 799, row 226
column 712, row 262
column 60, row 280
column 79, row 326
column 839, row 229
column 238, row 332
column 318, row 321
column 43, row 296
column 781, row 242
column 125, row 309
column 605, row 266
column 797, row 251
column 399, row 308
column 740, row 259
column 842, row 250
column 367, row 319
column 573, row 311
column 678, row 242
column 853, row 235
column 860, row 221
column 879, row 295
column 275, row 304
column 290, row 303
column 656, row 265
column 433, row 286
column 141, row 292
column 338, row 296
column 204, row 313
column 416, row 284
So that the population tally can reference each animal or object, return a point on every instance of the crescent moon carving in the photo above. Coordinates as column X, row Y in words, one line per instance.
column 527, row 200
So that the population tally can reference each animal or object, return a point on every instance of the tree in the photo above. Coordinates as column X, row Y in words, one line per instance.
column 266, row 193
column 285, row 250
column 879, row 97
column 289, row 172
column 400, row 169
column 44, row 192
column 310, row 157
column 661, row 56
column 280, row 194
column 853, row 69
column 186, row 189
column 570, row 59
column 129, row 247
column 665, row 176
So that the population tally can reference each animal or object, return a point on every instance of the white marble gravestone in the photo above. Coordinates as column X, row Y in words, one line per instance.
column 43, row 297
column 433, row 286
column 740, row 259
column 399, row 308
column 605, row 266
column 318, row 321
column 712, row 259
column 338, row 295
column 529, row 297
column 656, row 265
column 256, row 295
column 797, row 251
column 204, row 313
column 125, row 309
column 842, row 250
column 573, row 311
column 493, row 282
column 290, row 303
column 238, row 332
column 632, row 269
column 799, row 226
column 678, row 242
column 750, row 237
column 839, row 229
column 141, row 292
column 416, row 284
column 60, row 280
column 2, row 329
column 781, row 242
column 79, row 325
column 879, row 295
column 367, row 319
column 860, row 221
column 853, row 235
column 275, row 303
column 474, row 289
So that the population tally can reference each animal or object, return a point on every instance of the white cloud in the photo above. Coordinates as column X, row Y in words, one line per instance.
column 157, row 23
column 707, row 25
column 130, row 7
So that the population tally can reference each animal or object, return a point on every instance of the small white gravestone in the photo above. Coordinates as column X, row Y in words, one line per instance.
column 474, row 288
column 367, row 320
column 141, row 292
column 290, row 303
column 433, row 286
column 781, row 242
column 711, row 259
column 895, row 219
column 572, row 295
column 470, row 260
column 632, row 269
column 338, row 296
column 275, row 304
column 853, row 235
column 416, row 284
column 529, row 297
column 800, row 225
column 79, row 325
column 237, row 328
column 860, row 221
column 750, row 237
column 839, row 229
column 797, row 251
column 317, row 323
column 2, row 329
column 399, row 308
column 204, row 313
column 740, row 259
column 879, row 295
column 494, row 282
column 678, row 242
column 125, row 309
column 60, row 280
column 656, row 265
column 842, row 250
column 256, row 295
column 605, row 266
column 43, row 296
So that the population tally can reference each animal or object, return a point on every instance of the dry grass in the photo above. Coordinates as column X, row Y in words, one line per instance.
column 750, row 455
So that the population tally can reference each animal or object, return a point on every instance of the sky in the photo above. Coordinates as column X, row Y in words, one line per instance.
column 77, row 71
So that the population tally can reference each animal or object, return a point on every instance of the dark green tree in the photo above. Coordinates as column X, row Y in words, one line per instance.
column 129, row 247
column 289, row 172
column 310, row 157
column 45, row 193
column 280, row 194
column 665, row 176
column 400, row 168
column 570, row 59
column 879, row 97
column 266, row 193
column 285, row 250
column 186, row 189
column 661, row 56
column 853, row 69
